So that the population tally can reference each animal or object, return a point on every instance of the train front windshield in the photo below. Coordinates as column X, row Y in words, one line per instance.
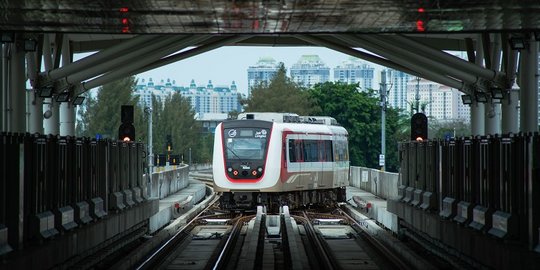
column 246, row 143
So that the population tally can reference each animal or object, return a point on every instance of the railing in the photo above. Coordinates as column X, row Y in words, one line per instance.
column 487, row 183
column 52, row 184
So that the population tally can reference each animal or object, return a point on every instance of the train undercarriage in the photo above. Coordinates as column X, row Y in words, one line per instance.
column 273, row 200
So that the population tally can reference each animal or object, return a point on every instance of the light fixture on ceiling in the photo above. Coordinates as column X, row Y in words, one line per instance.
column 78, row 100
column 517, row 43
column 7, row 37
column 30, row 45
column 46, row 92
column 481, row 97
column 467, row 99
column 497, row 93
column 62, row 97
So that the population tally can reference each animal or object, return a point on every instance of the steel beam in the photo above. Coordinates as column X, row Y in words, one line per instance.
column 121, row 59
column 331, row 44
column 139, row 63
column 395, row 57
column 419, row 57
column 190, row 53
column 108, row 54
column 446, row 58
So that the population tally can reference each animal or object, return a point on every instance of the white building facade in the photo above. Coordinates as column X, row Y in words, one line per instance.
column 441, row 102
column 354, row 71
column 310, row 70
column 204, row 99
column 262, row 72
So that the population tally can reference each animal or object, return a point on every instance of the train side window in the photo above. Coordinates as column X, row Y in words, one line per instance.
column 328, row 152
column 292, row 151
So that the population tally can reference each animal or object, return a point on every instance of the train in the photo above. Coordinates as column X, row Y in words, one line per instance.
column 275, row 159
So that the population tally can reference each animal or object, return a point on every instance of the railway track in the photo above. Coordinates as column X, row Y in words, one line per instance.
column 303, row 240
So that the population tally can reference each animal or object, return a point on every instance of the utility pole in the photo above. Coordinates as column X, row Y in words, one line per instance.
column 383, row 93
column 148, row 110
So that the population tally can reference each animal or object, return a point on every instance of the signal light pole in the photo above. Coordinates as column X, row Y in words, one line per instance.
column 148, row 110
column 126, row 131
column 383, row 93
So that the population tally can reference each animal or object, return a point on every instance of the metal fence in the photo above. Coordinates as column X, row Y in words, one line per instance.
column 486, row 183
column 51, row 184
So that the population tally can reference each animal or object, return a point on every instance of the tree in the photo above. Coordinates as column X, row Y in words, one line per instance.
column 101, row 115
column 176, row 118
column 281, row 95
column 359, row 113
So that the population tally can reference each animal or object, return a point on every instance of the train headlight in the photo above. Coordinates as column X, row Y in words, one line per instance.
column 254, row 173
column 229, row 169
column 259, row 169
column 235, row 173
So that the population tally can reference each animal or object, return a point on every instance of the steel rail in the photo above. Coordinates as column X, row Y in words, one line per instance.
column 228, row 247
column 150, row 260
column 377, row 244
column 324, row 257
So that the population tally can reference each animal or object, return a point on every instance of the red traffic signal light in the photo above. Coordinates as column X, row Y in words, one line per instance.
column 126, row 132
column 419, row 127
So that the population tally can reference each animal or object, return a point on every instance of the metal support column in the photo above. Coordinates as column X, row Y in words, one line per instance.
column 528, row 72
column 493, row 109
column 4, row 88
column 510, row 108
column 477, row 108
column 50, row 107
column 67, row 109
column 17, row 94
column 35, row 103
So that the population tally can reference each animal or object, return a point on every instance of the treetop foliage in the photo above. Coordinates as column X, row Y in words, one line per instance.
column 280, row 95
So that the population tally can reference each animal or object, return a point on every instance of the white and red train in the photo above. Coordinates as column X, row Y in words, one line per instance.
column 278, row 159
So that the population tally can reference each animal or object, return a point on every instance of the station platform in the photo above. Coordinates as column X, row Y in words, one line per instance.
column 176, row 204
column 373, row 207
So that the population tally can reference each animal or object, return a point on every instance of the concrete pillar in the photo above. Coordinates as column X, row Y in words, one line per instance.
column 34, row 102
column 17, row 92
column 528, row 72
column 50, row 107
column 67, row 110
column 478, row 109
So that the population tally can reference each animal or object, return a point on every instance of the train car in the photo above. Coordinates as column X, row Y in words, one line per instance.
column 275, row 159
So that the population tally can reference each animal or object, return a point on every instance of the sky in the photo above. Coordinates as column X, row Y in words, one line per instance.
column 225, row 64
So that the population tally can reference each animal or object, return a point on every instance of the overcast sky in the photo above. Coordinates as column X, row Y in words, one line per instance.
column 226, row 64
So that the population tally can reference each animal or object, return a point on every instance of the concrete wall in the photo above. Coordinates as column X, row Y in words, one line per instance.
column 168, row 182
column 382, row 184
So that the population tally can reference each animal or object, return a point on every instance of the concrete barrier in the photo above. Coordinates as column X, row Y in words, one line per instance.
column 380, row 183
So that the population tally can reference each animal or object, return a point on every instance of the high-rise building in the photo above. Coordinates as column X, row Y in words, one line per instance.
column 438, row 101
column 262, row 72
column 145, row 91
column 354, row 71
column 204, row 99
column 397, row 96
column 310, row 70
